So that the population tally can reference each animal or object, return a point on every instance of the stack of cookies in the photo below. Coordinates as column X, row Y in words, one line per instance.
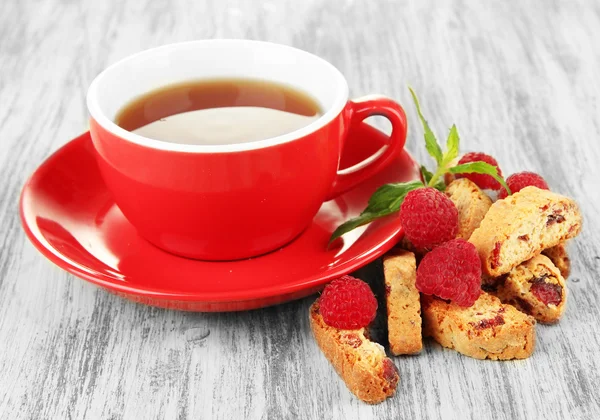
column 521, row 243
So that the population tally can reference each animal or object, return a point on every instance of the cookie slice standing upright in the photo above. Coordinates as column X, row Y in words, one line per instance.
column 403, row 303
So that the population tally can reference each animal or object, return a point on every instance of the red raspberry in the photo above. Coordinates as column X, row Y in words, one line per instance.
column 483, row 181
column 347, row 303
column 451, row 271
column 428, row 218
column 516, row 182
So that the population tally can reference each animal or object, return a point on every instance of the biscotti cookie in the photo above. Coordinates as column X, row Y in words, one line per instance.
column 361, row 363
column 472, row 205
column 487, row 330
column 535, row 287
column 403, row 303
column 560, row 258
column 520, row 226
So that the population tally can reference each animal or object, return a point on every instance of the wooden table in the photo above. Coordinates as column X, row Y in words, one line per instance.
column 520, row 79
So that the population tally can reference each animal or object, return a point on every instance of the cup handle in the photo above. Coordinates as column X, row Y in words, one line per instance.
column 358, row 110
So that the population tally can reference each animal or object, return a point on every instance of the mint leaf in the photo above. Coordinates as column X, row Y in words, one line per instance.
column 386, row 200
column 426, row 174
column 480, row 168
column 363, row 219
column 431, row 144
column 388, row 197
column 452, row 145
column 440, row 185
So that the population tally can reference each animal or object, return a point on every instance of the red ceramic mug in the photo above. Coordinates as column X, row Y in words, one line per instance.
column 227, row 202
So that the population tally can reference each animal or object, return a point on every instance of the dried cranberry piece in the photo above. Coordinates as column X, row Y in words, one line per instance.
column 496, row 255
column 555, row 218
column 488, row 323
column 390, row 372
column 352, row 340
column 547, row 293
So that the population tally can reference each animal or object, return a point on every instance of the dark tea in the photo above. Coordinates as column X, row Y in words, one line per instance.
column 219, row 111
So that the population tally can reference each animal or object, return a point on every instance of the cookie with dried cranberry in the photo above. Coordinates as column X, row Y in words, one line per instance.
column 360, row 362
column 534, row 287
column 402, row 301
column 521, row 226
column 487, row 330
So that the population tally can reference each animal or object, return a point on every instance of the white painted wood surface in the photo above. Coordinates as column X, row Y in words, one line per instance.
column 520, row 79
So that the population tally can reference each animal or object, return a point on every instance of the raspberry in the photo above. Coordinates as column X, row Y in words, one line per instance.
column 428, row 218
column 451, row 271
column 516, row 182
column 347, row 303
column 483, row 181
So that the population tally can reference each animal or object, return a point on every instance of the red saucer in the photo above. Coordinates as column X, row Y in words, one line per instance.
column 71, row 218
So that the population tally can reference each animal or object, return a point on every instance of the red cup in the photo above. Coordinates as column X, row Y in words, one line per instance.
column 234, row 201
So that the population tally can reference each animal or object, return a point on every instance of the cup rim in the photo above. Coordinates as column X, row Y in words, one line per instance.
column 107, row 124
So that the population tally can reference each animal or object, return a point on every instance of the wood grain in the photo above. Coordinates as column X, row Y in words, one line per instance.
column 520, row 80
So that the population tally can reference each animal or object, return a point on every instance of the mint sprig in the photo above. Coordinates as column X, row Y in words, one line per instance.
column 443, row 159
column 389, row 197
column 385, row 201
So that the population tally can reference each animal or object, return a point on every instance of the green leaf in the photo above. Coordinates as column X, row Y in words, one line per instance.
column 426, row 174
column 388, row 197
column 440, row 185
column 480, row 168
column 385, row 201
column 452, row 146
column 431, row 143
column 352, row 224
